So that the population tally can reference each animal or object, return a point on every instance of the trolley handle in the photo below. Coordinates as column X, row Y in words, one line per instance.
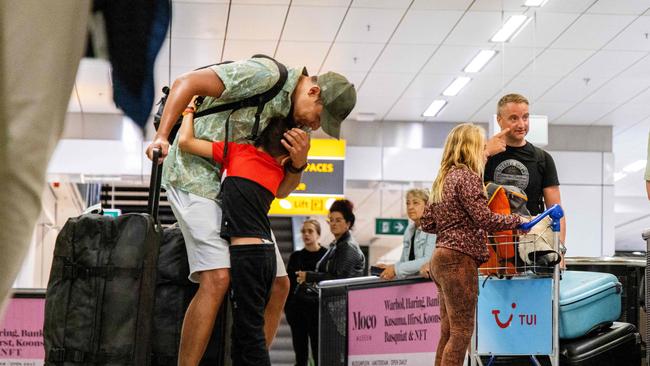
column 154, row 185
column 555, row 212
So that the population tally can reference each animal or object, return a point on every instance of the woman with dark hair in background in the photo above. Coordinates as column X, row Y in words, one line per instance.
column 344, row 258
column 301, row 308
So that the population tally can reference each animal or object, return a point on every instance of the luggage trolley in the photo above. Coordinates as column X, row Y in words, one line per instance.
column 512, row 318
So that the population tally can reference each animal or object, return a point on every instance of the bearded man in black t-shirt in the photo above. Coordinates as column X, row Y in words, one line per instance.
column 522, row 164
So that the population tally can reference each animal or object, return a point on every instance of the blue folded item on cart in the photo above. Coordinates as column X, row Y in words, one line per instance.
column 588, row 300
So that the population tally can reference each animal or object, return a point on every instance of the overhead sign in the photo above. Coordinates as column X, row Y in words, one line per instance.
column 390, row 226
column 115, row 212
column 305, row 205
column 393, row 325
column 509, row 311
column 322, row 181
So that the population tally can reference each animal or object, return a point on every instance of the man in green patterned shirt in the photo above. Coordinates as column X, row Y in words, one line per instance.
column 192, row 182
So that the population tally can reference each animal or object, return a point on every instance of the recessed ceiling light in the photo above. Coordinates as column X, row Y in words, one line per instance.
column 456, row 85
column 434, row 108
column 509, row 28
column 480, row 61
column 535, row 3
column 634, row 167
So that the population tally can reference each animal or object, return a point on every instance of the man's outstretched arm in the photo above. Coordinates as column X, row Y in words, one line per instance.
column 200, row 82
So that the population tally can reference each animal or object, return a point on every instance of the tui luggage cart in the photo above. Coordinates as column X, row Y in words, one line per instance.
column 513, row 316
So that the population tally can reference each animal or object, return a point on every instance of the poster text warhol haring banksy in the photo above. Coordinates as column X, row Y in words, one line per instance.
column 393, row 321
column 21, row 333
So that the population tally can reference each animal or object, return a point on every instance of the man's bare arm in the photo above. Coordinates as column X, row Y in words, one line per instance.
column 552, row 197
column 200, row 82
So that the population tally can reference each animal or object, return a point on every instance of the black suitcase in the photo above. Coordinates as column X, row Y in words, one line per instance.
column 100, row 294
column 174, row 291
column 619, row 344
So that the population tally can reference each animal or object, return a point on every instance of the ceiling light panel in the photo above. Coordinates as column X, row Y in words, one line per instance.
column 509, row 28
column 455, row 87
column 435, row 108
column 535, row 3
column 479, row 61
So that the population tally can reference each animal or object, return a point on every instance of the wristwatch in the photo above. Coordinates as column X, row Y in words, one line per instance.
column 291, row 169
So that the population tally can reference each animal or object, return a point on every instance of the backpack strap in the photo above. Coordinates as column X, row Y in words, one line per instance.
column 258, row 100
column 540, row 158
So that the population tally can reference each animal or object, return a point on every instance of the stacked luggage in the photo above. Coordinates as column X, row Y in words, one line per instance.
column 118, row 291
column 617, row 344
column 590, row 304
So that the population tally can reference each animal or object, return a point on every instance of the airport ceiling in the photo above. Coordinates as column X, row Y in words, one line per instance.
column 581, row 62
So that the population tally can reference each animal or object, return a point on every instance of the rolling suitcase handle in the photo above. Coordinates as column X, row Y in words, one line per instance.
column 154, row 185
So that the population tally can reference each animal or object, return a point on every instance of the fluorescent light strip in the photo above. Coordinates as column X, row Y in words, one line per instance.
column 520, row 29
column 456, row 85
column 634, row 167
column 535, row 3
column 480, row 61
column 509, row 28
column 434, row 108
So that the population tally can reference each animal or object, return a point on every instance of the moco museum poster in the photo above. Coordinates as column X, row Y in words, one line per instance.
column 393, row 325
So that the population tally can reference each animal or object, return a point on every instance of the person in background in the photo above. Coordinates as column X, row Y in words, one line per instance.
column 418, row 245
column 522, row 164
column 301, row 308
column 458, row 214
column 344, row 258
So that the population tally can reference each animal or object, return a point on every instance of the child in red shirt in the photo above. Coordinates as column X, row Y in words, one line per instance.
column 252, row 176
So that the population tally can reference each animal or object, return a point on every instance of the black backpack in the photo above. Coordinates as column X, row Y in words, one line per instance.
column 258, row 100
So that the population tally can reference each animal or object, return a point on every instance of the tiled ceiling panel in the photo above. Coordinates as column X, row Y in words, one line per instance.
column 308, row 54
column 634, row 37
column 352, row 56
column 426, row 26
column 199, row 20
column 630, row 7
column 593, row 31
column 441, row 4
column 372, row 25
column 256, row 22
column 475, row 29
column 403, row 58
column 543, row 29
column 302, row 27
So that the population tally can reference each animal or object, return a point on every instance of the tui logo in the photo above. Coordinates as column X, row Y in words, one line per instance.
column 499, row 322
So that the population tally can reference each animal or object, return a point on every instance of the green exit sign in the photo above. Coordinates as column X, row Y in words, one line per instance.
column 115, row 212
column 390, row 226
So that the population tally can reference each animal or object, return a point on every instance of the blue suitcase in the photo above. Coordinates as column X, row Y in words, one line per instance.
column 587, row 300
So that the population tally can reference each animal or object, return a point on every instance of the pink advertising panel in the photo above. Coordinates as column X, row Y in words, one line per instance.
column 397, row 325
column 21, row 333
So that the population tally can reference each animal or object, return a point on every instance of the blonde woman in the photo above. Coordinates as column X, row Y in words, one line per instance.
column 417, row 245
column 459, row 215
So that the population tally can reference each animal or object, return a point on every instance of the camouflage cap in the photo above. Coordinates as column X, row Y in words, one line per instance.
column 339, row 97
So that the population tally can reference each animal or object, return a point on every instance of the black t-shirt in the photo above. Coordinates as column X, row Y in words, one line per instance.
column 526, row 168
column 302, row 260
column 245, row 205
